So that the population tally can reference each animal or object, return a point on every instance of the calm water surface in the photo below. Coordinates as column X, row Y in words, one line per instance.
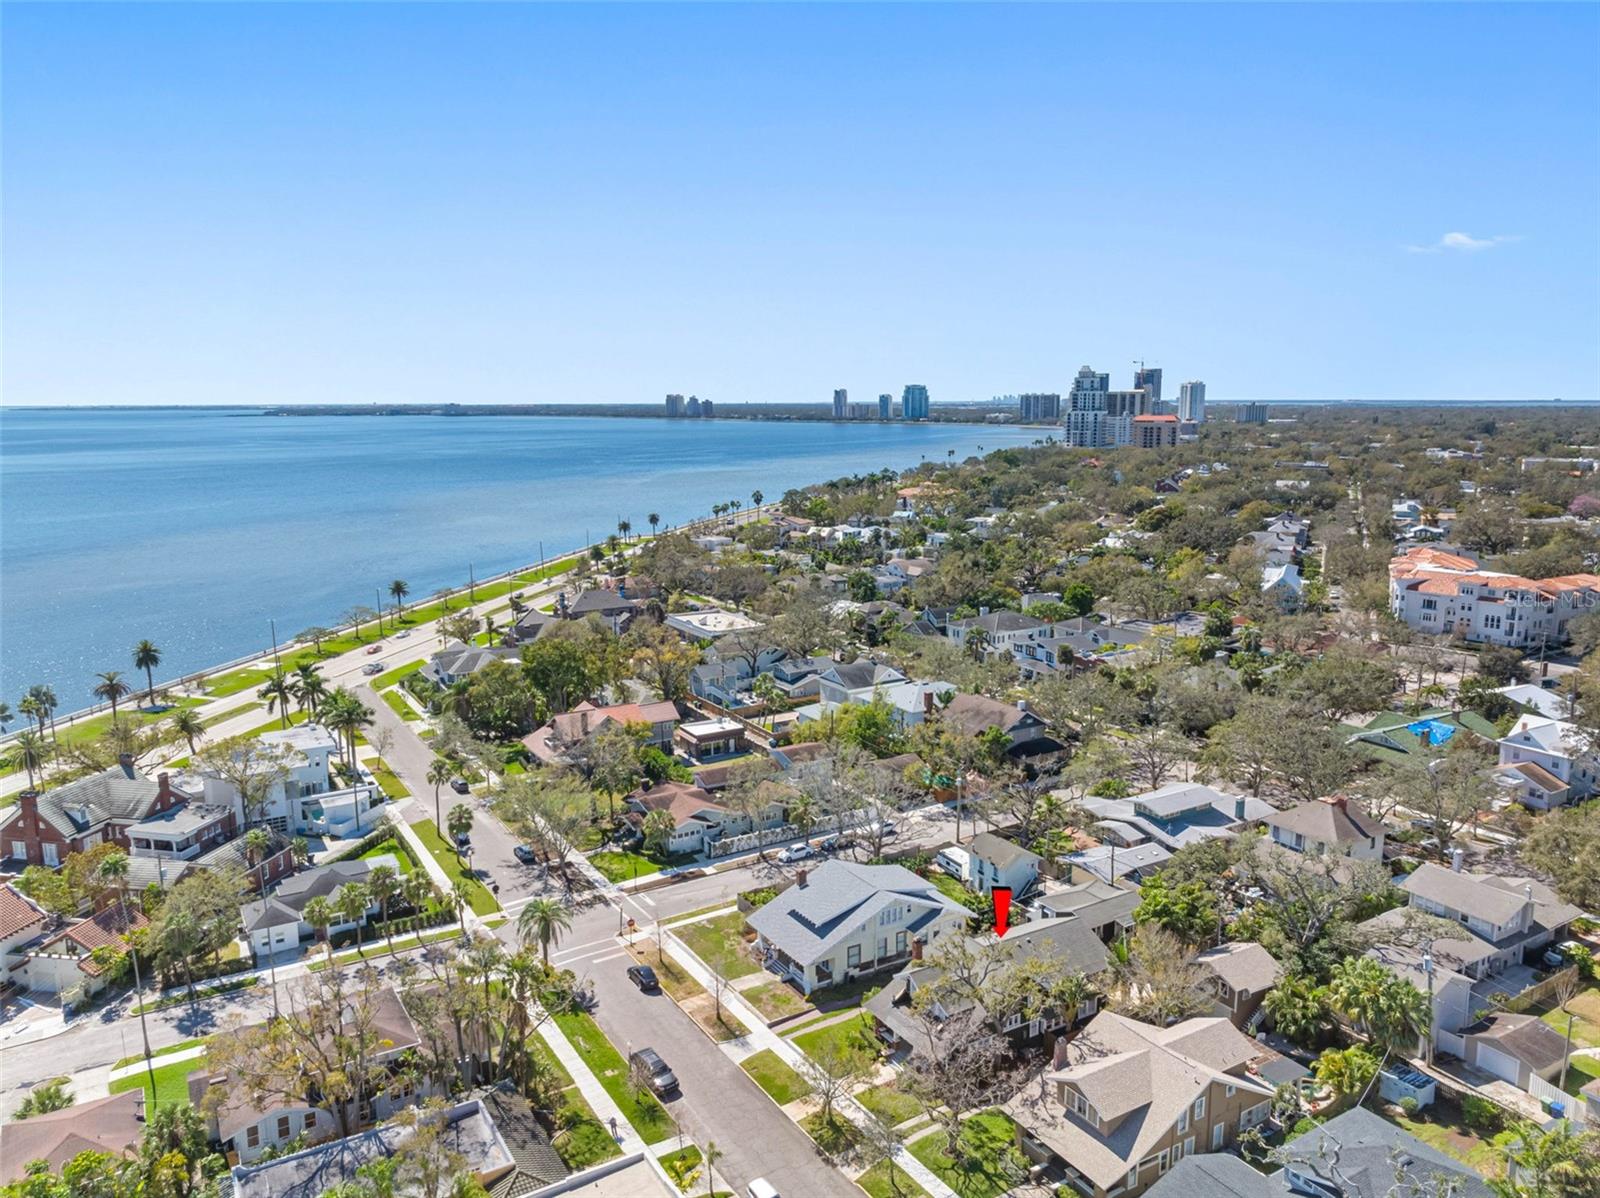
column 194, row 528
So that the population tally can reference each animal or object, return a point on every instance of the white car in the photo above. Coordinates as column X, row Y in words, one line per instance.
column 762, row 1188
column 1558, row 955
column 402, row 634
column 797, row 852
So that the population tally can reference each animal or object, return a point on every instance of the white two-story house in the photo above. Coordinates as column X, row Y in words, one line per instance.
column 843, row 920
column 306, row 800
column 1559, row 748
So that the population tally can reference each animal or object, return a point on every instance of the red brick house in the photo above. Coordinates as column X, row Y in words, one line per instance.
column 45, row 826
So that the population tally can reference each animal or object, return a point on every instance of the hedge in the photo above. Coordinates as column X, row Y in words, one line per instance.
column 371, row 841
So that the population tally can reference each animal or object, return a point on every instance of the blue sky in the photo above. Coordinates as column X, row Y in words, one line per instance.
column 227, row 203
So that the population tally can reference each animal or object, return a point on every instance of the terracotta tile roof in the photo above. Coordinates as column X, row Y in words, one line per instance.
column 17, row 913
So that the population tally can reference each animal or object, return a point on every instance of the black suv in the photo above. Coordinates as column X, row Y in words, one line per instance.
column 644, row 977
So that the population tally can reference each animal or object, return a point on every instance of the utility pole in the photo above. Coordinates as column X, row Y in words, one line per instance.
column 377, row 593
column 277, row 666
column 1427, row 968
column 472, row 585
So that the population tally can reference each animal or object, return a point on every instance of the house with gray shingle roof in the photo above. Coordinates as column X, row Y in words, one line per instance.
column 1331, row 826
column 844, row 920
column 997, row 861
column 1123, row 1100
column 457, row 662
column 1354, row 1155
column 1241, row 974
column 45, row 826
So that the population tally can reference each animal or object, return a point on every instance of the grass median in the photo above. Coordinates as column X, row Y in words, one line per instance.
column 648, row 1116
column 455, row 868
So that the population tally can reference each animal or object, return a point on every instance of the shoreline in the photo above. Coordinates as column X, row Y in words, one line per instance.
column 295, row 644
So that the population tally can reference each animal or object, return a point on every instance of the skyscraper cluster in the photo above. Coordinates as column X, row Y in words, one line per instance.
column 1096, row 417
column 913, row 405
column 693, row 408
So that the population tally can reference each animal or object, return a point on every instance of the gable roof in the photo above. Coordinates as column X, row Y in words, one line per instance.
column 1464, row 892
column 976, row 714
column 18, row 913
column 1140, row 1079
column 293, row 893
column 681, row 800
column 1001, row 852
column 856, row 675
column 1527, row 1037
column 807, row 921
column 1243, row 965
column 1368, row 1148
column 120, row 792
column 1000, row 621
column 600, row 601
column 1329, row 821
column 459, row 660
column 537, row 1163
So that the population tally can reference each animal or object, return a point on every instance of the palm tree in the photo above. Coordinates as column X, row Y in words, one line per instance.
column 456, row 899
column 440, row 771
column 277, row 696
column 147, row 657
column 351, row 902
column 624, row 527
column 112, row 688
column 345, row 715
column 309, row 687
column 544, row 920
column 113, row 870
column 653, row 519
column 257, row 844
column 399, row 589
column 188, row 724
column 47, row 701
column 756, row 497
column 384, row 884
column 28, row 751
column 319, row 913
column 6, row 715
column 417, row 890
column 459, row 824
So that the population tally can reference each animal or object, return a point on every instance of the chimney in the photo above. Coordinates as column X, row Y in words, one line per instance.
column 983, row 611
column 927, row 703
column 916, row 948
column 1341, row 802
column 125, row 760
column 800, row 878
column 1022, row 705
column 1238, row 808
column 1457, row 856
column 1058, row 1057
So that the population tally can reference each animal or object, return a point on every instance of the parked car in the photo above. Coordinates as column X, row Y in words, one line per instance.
column 888, row 829
column 644, row 977
column 648, row 1063
column 1558, row 955
column 797, row 852
column 464, row 841
column 525, row 855
column 762, row 1188
column 459, row 785
column 371, row 668
column 833, row 843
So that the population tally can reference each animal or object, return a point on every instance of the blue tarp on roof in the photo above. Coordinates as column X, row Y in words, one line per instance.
column 1438, row 732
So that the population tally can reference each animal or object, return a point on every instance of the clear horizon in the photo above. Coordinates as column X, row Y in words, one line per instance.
column 270, row 205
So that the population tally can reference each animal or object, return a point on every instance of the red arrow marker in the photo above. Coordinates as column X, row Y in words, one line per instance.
column 1002, row 909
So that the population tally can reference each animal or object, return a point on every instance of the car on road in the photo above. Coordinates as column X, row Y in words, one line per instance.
column 762, row 1188
column 833, row 843
column 525, row 855
column 646, row 1063
column 402, row 634
column 459, row 785
column 463, row 841
column 645, row 978
column 371, row 649
column 797, row 852
column 887, row 830
column 371, row 668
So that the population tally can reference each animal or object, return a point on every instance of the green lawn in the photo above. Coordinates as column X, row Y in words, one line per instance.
column 84, row 731
column 681, row 1166
column 400, row 707
column 389, row 848
column 398, row 674
column 994, row 1163
column 1585, row 1008
column 172, row 1082
column 483, row 903
column 584, row 1141
column 776, row 1000
column 648, row 1116
column 386, row 778
column 167, row 1051
column 242, row 679
column 621, row 866
column 889, row 1104
column 774, row 1075
column 1441, row 1127
column 835, row 1136
column 875, row 1181
column 856, row 1030
column 720, row 944
column 1580, row 1072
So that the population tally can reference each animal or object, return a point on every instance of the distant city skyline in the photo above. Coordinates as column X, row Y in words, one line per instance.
column 261, row 204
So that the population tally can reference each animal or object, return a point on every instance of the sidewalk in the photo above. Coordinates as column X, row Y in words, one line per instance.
column 760, row 1036
column 601, row 1102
